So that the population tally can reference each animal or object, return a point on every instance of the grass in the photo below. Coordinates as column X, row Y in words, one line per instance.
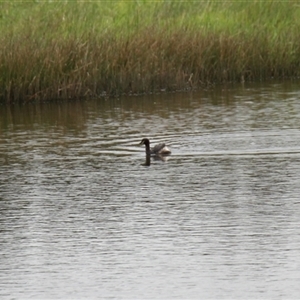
column 63, row 50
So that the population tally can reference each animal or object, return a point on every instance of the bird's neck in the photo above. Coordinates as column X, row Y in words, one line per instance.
column 148, row 152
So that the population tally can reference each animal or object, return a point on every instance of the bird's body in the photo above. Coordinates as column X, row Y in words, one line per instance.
column 159, row 149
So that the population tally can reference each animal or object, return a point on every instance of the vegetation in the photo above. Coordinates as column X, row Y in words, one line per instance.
column 68, row 49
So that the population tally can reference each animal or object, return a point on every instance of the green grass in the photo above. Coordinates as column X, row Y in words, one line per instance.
column 68, row 49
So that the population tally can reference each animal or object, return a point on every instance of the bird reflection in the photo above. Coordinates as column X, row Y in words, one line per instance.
column 156, row 158
column 148, row 160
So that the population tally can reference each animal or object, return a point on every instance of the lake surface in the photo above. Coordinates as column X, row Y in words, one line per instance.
column 83, row 216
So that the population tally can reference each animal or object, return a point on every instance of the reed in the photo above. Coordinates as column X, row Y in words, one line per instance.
column 67, row 50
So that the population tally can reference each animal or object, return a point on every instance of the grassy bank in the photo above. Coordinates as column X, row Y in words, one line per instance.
column 67, row 49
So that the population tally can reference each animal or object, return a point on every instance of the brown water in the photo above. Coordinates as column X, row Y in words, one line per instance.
column 81, row 216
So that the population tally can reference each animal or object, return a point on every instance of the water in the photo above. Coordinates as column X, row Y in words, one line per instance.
column 82, row 216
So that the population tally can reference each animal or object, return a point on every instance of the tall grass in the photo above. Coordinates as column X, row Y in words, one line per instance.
column 68, row 49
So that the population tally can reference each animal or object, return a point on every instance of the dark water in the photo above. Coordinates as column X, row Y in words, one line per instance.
column 81, row 216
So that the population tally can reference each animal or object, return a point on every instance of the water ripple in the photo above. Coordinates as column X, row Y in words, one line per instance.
column 82, row 215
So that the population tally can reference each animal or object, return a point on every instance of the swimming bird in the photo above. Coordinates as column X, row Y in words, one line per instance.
column 159, row 149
